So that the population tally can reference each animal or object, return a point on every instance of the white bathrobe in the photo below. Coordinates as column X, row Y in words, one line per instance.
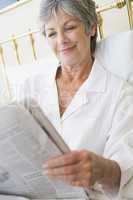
column 99, row 118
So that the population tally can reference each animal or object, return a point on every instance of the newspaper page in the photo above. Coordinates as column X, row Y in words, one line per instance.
column 10, row 197
column 24, row 146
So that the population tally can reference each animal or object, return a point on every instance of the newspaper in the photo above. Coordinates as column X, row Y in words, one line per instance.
column 27, row 139
column 10, row 197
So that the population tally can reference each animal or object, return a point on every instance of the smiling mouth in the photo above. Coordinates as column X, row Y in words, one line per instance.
column 66, row 50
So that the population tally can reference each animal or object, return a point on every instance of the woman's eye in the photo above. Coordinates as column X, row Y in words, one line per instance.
column 51, row 34
column 70, row 28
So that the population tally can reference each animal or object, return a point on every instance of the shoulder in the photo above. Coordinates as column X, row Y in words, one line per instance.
column 116, row 88
column 118, row 84
column 119, row 90
column 115, row 78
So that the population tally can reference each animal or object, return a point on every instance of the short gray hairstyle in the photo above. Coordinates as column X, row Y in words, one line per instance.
column 85, row 10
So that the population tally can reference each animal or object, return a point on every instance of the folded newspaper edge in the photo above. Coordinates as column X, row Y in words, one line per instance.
column 40, row 117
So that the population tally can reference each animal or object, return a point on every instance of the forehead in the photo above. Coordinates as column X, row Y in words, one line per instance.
column 60, row 18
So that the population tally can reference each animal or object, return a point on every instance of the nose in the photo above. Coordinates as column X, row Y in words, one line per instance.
column 61, row 39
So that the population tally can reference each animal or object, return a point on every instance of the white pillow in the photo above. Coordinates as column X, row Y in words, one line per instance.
column 116, row 54
column 19, row 73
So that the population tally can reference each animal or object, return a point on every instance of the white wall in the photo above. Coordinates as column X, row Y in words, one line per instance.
column 19, row 20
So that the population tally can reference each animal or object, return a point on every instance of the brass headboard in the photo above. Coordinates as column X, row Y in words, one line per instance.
column 118, row 5
column 13, row 40
column 31, row 35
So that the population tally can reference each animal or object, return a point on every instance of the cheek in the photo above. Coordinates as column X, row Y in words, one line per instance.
column 53, row 46
column 80, row 37
column 84, row 40
column 73, row 37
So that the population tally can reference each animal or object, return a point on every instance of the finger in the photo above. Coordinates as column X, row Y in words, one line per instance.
column 66, row 170
column 81, row 183
column 69, row 178
column 65, row 178
column 67, row 159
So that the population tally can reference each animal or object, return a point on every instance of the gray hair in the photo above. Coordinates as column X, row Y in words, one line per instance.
column 85, row 10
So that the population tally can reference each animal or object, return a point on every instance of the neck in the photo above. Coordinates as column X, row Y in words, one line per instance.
column 75, row 72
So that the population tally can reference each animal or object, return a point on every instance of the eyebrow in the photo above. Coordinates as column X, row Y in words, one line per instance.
column 63, row 24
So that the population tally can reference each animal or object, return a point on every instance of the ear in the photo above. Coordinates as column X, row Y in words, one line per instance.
column 93, row 30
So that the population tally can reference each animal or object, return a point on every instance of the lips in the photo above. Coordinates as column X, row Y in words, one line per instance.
column 67, row 49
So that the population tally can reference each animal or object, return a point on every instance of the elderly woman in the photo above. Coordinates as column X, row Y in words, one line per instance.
column 91, row 108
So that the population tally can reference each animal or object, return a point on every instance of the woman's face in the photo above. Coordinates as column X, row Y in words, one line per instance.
column 67, row 38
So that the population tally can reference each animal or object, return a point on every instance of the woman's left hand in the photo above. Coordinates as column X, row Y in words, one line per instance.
column 78, row 168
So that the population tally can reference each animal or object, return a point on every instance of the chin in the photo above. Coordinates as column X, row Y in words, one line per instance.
column 68, row 62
